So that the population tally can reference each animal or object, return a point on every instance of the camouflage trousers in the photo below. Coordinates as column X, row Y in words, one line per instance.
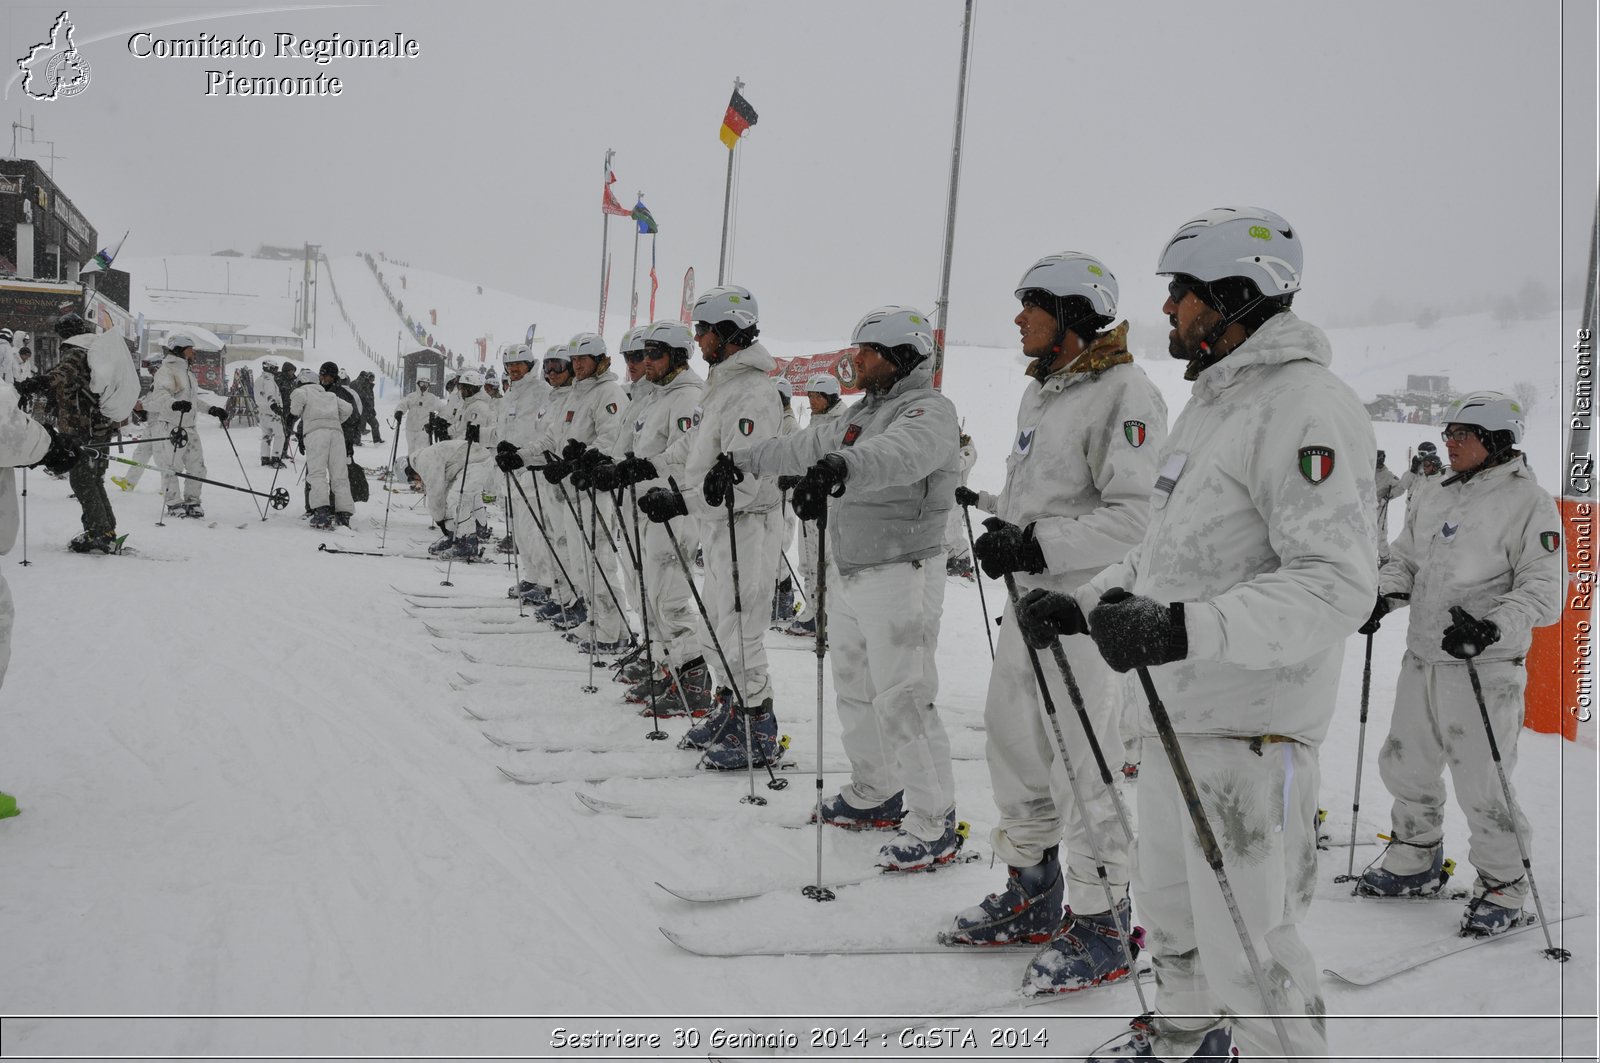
column 1262, row 809
column 88, row 480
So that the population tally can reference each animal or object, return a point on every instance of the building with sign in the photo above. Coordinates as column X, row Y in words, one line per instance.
column 44, row 242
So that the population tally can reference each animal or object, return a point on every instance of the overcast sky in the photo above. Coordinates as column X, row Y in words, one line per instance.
column 1425, row 150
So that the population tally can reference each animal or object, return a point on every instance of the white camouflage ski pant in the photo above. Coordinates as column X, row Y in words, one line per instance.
column 271, row 432
column 327, row 470
column 189, row 459
column 141, row 454
column 883, row 637
column 582, row 566
column 955, row 535
column 745, row 645
column 538, row 566
column 1437, row 725
column 675, row 621
column 1262, row 809
column 1031, row 789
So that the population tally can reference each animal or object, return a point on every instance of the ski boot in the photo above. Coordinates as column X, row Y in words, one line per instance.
column 522, row 587
column 535, row 595
column 668, row 703
column 694, row 687
column 1130, row 771
column 122, row 484
column 635, row 671
column 322, row 517
column 177, row 509
column 445, row 545
column 960, row 567
column 1216, row 1047
column 1086, row 952
column 1029, row 910
column 276, row 463
column 553, row 610
column 94, row 543
column 193, row 509
column 837, row 812
column 907, row 852
column 660, row 685
column 601, row 648
column 266, row 463
column 802, row 629
column 711, row 726
column 783, row 604
column 8, row 806
column 505, row 545
column 1381, row 882
column 465, row 548
column 574, row 617
column 342, row 519
column 1488, row 912
column 728, row 754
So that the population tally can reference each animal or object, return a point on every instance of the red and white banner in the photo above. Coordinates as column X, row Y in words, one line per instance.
column 832, row 363
column 688, row 296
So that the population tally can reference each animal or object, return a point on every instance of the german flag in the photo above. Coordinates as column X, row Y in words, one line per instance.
column 740, row 116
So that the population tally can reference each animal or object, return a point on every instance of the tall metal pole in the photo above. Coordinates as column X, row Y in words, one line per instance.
column 605, row 235
column 727, row 206
column 1580, row 435
column 942, row 310
column 633, row 300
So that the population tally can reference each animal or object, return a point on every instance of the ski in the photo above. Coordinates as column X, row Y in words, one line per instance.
column 638, row 811
column 704, row 947
column 499, row 606
column 534, row 778
column 510, row 627
column 541, row 746
column 326, row 549
column 1408, row 959
column 721, row 894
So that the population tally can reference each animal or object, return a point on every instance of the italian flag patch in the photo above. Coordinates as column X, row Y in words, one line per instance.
column 685, row 423
column 1134, row 430
column 1550, row 540
column 1316, row 463
column 746, row 426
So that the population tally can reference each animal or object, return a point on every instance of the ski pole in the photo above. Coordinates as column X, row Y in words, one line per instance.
column 966, row 515
column 1560, row 955
column 589, row 545
column 819, row 892
column 656, row 733
column 394, row 452
column 278, row 499
column 25, row 562
column 593, row 566
column 514, row 558
column 466, row 469
column 229, row 436
column 544, row 534
column 1123, row 936
column 744, row 674
column 172, row 437
column 1361, row 748
column 1064, row 666
column 1209, row 847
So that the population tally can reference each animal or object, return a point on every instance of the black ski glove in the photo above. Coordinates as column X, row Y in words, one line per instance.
column 555, row 470
column 1467, row 637
column 275, row 408
column 633, row 470
column 1133, row 631
column 474, row 434
column 509, row 460
column 1006, row 548
column 720, row 481
column 789, row 483
column 822, row 481
column 1044, row 616
column 966, row 497
column 63, row 454
column 182, row 406
column 26, row 389
column 219, row 413
column 573, row 450
column 661, row 504
column 605, row 476
column 399, row 415
column 1380, row 609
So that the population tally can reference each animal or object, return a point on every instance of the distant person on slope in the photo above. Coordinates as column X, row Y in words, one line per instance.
column 364, row 385
column 957, row 550
column 321, row 412
column 1480, row 564
column 892, row 472
column 172, row 403
column 271, row 411
column 1090, row 426
column 519, row 425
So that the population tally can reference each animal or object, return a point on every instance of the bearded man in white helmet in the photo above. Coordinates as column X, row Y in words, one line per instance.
column 1481, row 565
column 1076, row 499
column 1257, row 565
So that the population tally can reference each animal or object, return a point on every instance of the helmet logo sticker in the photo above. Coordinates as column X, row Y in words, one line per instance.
column 1096, row 270
column 1260, row 232
column 1134, row 430
column 1025, row 440
column 1316, row 464
column 1550, row 540
column 746, row 426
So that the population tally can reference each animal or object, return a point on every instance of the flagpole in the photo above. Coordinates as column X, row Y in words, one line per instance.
column 633, row 301
column 605, row 236
column 942, row 308
column 727, row 204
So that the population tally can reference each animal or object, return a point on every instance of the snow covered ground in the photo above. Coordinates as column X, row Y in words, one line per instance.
column 252, row 787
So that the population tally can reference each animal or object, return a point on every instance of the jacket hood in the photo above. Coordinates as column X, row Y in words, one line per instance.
column 753, row 357
column 1283, row 338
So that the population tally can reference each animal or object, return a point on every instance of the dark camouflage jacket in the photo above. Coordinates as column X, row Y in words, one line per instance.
column 68, row 400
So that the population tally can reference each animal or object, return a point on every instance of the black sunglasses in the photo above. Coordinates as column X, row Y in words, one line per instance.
column 1178, row 288
column 634, row 357
column 701, row 328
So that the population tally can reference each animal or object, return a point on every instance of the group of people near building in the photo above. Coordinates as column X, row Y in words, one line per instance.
column 1186, row 586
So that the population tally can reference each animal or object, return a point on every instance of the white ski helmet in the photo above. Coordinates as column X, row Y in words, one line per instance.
column 559, row 352
column 1244, row 242
column 307, row 375
column 1073, row 273
column 822, row 384
column 517, row 352
column 587, row 345
column 890, row 327
column 674, row 335
column 177, row 341
column 632, row 341
column 1492, row 411
column 785, row 389
column 729, row 303
column 470, row 379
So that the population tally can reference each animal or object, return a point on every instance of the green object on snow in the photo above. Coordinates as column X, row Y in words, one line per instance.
column 8, row 806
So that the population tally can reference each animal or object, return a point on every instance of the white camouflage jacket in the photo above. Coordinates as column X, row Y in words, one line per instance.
column 738, row 409
column 597, row 414
column 1490, row 544
column 316, row 408
column 519, row 413
column 900, row 450
column 174, row 380
column 661, row 415
column 1262, row 525
column 23, row 441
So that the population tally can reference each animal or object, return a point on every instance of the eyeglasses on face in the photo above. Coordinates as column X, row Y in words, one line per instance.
column 1177, row 288
column 656, row 351
column 1457, row 435
column 634, row 357
column 701, row 328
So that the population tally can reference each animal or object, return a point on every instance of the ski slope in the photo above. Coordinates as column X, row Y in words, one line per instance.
column 252, row 787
